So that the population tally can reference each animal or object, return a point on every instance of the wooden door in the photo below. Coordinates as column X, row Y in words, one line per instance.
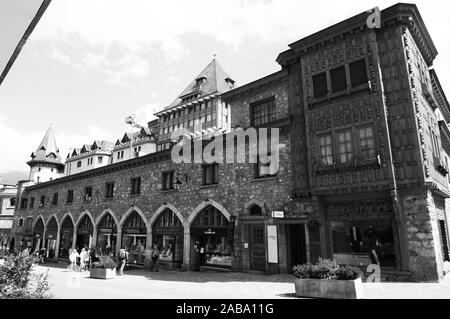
column 257, row 248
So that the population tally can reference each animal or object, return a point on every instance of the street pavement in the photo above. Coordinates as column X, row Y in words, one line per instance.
column 143, row 284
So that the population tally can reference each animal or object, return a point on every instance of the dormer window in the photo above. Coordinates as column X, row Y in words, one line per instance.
column 200, row 80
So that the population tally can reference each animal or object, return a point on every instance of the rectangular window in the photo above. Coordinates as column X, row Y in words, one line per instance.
column 88, row 193
column 23, row 203
column 55, row 199
column 42, row 201
column 109, row 190
column 345, row 146
column 100, row 160
column 32, row 202
column 326, row 150
column 210, row 174
column 367, row 142
column 264, row 169
column 167, row 180
column 135, row 186
column 338, row 79
column 69, row 198
column 358, row 72
column 29, row 225
column 320, row 86
column 79, row 164
column 262, row 112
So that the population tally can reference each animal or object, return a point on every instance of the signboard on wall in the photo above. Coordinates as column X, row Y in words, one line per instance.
column 272, row 244
column 277, row 214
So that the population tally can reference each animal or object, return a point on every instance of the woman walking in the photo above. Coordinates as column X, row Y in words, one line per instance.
column 73, row 259
column 123, row 257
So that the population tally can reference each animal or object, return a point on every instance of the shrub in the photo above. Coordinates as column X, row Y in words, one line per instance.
column 327, row 269
column 18, row 281
column 346, row 272
column 105, row 262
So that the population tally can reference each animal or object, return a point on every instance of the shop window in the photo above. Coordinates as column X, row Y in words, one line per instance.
column 345, row 146
column 338, row 79
column 263, row 112
column 258, row 235
column 320, row 86
column 135, row 186
column 55, row 199
column 358, row 73
column 255, row 210
column 88, row 193
column 326, row 150
column 210, row 174
column 109, row 190
column 69, row 198
column 363, row 237
column 366, row 142
column 168, row 180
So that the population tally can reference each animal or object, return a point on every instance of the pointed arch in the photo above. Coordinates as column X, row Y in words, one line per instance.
column 104, row 212
column 254, row 202
column 204, row 204
column 86, row 212
column 67, row 215
column 49, row 219
column 161, row 209
column 40, row 217
column 129, row 211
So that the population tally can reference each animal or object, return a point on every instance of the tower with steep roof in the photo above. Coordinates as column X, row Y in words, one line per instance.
column 199, row 107
column 45, row 164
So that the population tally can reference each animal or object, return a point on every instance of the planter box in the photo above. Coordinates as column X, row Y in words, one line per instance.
column 330, row 289
column 101, row 273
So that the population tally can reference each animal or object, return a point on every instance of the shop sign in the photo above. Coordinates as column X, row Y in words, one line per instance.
column 272, row 244
column 209, row 232
column 277, row 214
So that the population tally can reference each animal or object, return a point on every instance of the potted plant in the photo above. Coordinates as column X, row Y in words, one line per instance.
column 103, row 268
column 328, row 279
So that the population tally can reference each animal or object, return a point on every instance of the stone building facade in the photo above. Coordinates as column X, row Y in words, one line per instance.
column 363, row 170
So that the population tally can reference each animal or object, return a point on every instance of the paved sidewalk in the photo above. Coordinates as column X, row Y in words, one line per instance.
column 142, row 284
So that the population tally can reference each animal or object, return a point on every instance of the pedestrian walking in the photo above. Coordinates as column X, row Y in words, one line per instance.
column 73, row 259
column 155, row 257
column 42, row 255
column 83, row 259
column 123, row 257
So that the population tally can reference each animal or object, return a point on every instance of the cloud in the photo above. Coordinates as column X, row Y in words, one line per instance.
column 18, row 146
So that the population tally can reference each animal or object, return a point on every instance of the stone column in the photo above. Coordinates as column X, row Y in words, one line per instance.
column 74, row 239
column 119, row 241
column 94, row 237
column 58, row 238
column 187, row 248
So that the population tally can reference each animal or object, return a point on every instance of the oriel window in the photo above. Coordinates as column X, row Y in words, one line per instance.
column 345, row 146
column 367, row 142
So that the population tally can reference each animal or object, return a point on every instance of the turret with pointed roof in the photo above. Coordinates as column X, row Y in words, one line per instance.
column 199, row 107
column 45, row 163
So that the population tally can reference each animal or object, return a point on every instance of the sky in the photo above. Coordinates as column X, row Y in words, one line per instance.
column 90, row 63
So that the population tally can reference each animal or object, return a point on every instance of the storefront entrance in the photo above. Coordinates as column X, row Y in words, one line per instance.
column 168, row 233
column 296, row 245
column 107, row 235
column 134, row 238
column 66, row 238
column 257, row 247
column 209, row 234
column 85, row 232
column 50, row 238
column 38, row 235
